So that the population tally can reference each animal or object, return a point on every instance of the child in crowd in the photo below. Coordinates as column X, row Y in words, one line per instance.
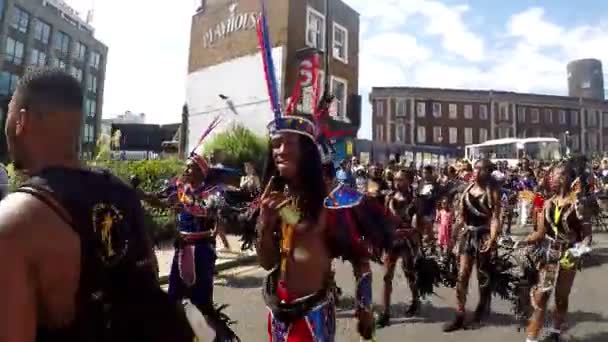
column 445, row 219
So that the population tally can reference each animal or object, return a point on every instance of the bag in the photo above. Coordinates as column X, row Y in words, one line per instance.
column 119, row 297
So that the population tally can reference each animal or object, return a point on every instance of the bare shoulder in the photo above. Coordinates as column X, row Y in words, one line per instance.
column 29, row 223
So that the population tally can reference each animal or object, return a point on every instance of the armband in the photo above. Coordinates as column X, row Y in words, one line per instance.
column 364, row 292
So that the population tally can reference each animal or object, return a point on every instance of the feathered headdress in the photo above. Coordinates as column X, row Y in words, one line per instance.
column 284, row 120
column 197, row 154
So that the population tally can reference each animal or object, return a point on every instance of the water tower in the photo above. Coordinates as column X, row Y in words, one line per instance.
column 586, row 79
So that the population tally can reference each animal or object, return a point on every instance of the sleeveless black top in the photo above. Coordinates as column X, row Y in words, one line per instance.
column 118, row 267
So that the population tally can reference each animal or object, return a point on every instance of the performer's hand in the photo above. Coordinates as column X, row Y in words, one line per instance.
column 269, row 205
column 366, row 324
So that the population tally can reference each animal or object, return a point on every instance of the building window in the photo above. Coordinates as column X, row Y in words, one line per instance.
column 592, row 118
column 437, row 136
column 339, row 90
column 77, row 73
column 89, row 133
column 400, row 134
column 42, row 31
column 468, row 135
column 8, row 83
column 90, row 107
column 95, row 60
column 574, row 116
column 21, row 19
column 605, row 120
column 37, row 58
column 379, row 107
column 592, row 142
column 483, row 112
column 62, row 42
column 421, row 109
column 80, row 51
column 315, row 29
column 340, row 43
column 453, row 134
column 483, row 135
column 401, row 107
column 503, row 112
column 436, row 109
column 521, row 114
column 548, row 116
column 421, row 134
column 534, row 115
column 504, row 132
column 562, row 117
column 453, row 108
column 14, row 51
column 380, row 133
column 468, row 111
column 92, row 84
column 575, row 142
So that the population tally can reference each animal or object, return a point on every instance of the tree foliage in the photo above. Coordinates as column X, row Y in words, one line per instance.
column 237, row 145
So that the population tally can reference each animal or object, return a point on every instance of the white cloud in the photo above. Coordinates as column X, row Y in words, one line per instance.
column 396, row 45
column 534, row 29
column 148, row 55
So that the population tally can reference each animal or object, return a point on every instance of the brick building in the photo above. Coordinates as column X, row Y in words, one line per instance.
column 36, row 33
column 455, row 118
column 225, row 60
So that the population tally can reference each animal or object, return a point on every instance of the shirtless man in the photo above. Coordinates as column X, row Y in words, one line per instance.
column 298, row 236
column 49, row 265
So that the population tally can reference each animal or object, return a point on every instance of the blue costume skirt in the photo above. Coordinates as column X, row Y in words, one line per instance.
column 192, row 274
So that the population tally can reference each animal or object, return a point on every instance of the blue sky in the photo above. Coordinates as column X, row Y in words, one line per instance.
column 518, row 45
column 508, row 45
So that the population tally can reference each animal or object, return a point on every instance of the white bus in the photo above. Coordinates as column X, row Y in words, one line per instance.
column 512, row 150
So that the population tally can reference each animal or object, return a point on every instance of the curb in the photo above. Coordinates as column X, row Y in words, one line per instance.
column 244, row 260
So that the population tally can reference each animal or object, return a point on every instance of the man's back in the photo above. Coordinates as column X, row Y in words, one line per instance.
column 62, row 210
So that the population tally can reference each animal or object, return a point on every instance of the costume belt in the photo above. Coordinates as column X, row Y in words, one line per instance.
column 196, row 238
column 295, row 309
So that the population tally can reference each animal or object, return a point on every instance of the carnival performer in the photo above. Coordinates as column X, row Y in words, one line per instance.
column 563, row 235
column 300, row 231
column 408, row 240
column 427, row 194
column 478, row 226
column 197, row 199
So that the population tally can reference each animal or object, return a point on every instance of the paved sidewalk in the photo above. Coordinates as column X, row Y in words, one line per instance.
column 225, row 259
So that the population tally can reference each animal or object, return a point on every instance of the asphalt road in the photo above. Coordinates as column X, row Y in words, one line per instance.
column 588, row 317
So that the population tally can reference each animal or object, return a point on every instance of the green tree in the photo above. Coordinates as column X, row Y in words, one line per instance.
column 238, row 145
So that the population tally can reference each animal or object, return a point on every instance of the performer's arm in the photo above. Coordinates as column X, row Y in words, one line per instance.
column 496, row 215
column 540, row 231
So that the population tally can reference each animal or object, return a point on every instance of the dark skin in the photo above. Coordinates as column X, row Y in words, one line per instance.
column 40, row 279
column 561, row 182
column 310, row 252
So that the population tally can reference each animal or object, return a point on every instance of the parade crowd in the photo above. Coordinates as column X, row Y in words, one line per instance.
column 78, row 264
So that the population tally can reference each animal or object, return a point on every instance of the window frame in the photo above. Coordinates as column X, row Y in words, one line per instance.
column 453, row 140
column 470, row 131
column 60, row 45
column 379, row 107
column 535, row 115
column 311, row 11
column 548, row 115
column 333, row 78
column 438, row 135
column 421, row 105
column 484, row 111
column 344, row 30
column 483, row 137
column 399, row 101
column 455, row 112
column 45, row 35
column 13, row 57
column 437, row 114
column 421, row 138
column 470, row 111
column 17, row 21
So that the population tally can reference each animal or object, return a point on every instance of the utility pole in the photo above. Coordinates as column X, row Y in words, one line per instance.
column 183, row 133
column 327, row 51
